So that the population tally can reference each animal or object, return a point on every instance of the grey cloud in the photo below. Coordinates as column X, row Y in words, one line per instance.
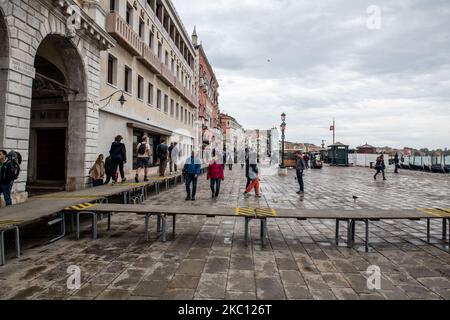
column 388, row 86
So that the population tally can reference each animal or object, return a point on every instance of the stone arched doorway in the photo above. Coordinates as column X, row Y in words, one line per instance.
column 4, row 66
column 58, row 118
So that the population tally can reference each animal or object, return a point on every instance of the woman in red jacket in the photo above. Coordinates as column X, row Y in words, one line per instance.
column 215, row 174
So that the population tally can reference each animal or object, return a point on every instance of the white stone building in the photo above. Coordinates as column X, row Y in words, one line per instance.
column 60, row 60
column 49, row 89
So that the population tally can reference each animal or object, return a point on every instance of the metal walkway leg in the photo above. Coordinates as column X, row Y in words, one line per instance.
column 349, row 233
column 17, row 242
column 174, row 223
column 94, row 226
column 146, row 236
column 2, row 248
column 246, row 231
column 164, row 229
column 444, row 229
column 78, row 225
column 367, row 234
column 337, row 232
column 158, row 223
column 428, row 231
column 109, row 221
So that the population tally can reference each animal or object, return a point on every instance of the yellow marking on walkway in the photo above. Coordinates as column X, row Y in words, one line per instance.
column 68, row 197
column 10, row 222
column 446, row 210
column 247, row 212
column 80, row 207
column 266, row 212
column 140, row 184
column 433, row 212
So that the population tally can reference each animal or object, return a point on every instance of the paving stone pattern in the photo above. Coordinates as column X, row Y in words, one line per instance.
column 208, row 259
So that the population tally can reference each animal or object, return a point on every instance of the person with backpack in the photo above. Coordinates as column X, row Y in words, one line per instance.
column 118, row 155
column 163, row 153
column 9, row 172
column 143, row 158
column 380, row 166
column 191, row 171
column 216, row 175
column 97, row 172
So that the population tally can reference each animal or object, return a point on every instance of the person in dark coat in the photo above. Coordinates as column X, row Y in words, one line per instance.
column 396, row 162
column 118, row 155
column 301, row 166
column 247, row 167
column 380, row 166
column 109, row 170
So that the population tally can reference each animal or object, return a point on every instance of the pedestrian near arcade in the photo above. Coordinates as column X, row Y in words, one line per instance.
column 216, row 175
column 170, row 157
column 301, row 167
column 192, row 170
column 174, row 156
column 118, row 155
column 380, row 166
column 162, row 152
column 97, row 172
column 144, row 154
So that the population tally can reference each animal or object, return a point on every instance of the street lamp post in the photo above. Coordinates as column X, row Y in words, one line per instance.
column 283, row 170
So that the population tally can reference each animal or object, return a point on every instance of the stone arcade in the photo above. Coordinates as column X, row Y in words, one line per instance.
column 49, row 90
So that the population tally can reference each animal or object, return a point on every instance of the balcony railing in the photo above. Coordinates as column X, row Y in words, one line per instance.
column 130, row 40
column 166, row 76
column 123, row 33
column 150, row 59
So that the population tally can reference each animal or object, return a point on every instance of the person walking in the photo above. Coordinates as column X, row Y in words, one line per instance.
column 306, row 158
column 216, row 175
column 253, row 174
column 143, row 157
column 192, row 170
column 162, row 151
column 9, row 172
column 174, row 156
column 300, row 168
column 224, row 158
column 230, row 161
column 380, row 166
column 118, row 155
column 170, row 157
column 97, row 172
column 109, row 170
column 247, row 167
column 396, row 162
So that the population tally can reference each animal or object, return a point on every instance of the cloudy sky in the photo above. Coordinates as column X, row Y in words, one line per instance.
column 386, row 80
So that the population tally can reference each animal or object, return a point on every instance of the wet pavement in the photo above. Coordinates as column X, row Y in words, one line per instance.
column 208, row 259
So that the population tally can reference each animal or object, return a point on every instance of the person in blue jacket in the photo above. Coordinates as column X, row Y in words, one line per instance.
column 192, row 170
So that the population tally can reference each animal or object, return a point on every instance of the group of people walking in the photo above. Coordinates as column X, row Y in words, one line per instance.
column 113, row 165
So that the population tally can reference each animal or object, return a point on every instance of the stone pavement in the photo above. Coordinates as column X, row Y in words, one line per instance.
column 208, row 259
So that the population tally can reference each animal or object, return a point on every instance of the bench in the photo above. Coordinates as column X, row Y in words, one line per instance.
column 263, row 214
column 52, row 207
